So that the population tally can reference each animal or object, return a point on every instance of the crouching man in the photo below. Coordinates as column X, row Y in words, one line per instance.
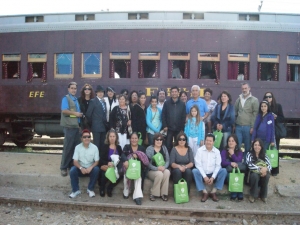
column 86, row 159
column 208, row 169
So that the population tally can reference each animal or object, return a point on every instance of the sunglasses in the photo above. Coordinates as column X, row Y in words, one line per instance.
column 158, row 139
column 268, row 96
column 87, row 89
column 84, row 137
column 181, row 139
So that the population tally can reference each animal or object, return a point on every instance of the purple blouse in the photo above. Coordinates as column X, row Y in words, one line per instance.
column 226, row 160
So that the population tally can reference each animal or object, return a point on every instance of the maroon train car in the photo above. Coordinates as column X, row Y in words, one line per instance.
column 41, row 54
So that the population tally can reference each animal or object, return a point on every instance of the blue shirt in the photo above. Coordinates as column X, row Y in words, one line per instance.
column 200, row 103
column 65, row 104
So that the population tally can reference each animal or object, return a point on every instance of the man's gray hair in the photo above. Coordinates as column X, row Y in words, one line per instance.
column 197, row 86
column 245, row 83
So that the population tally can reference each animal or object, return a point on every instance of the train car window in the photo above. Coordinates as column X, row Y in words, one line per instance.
column 193, row 16
column 179, row 65
column 34, row 19
column 64, row 65
column 91, row 65
column 249, row 17
column 11, row 66
column 293, row 68
column 119, row 65
column 267, row 67
column 149, row 65
column 138, row 16
column 238, row 66
column 208, row 65
column 37, row 67
column 84, row 17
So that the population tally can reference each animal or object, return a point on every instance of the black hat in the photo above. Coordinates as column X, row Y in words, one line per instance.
column 99, row 89
column 110, row 89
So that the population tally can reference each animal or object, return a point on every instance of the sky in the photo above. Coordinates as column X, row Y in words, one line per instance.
column 62, row 6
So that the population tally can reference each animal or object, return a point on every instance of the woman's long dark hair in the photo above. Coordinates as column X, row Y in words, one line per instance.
column 264, row 102
column 130, row 96
column 82, row 94
column 236, row 149
column 273, row 106
column 186, row 139
column 261, row 154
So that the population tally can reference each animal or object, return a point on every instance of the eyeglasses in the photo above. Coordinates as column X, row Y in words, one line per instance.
column 158, row 139
column 181, row 139
column 84, row 137
column 87, row 89
column 268, row 96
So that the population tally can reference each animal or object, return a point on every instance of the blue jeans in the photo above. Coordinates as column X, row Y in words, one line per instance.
column 244, row 136
column 219, row 181
column 75, row 173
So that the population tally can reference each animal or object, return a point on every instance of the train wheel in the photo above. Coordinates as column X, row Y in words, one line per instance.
column 20, row 144
column 2, row 138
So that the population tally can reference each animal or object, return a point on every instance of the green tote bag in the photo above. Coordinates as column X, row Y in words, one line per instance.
column 273, row 156
column 218, row 138
column 134, row 169
column 110, row 174
column 181, row 194
column 159, row 159
column 236, row 181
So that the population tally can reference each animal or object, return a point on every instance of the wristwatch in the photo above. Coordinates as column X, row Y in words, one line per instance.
column 80, row 168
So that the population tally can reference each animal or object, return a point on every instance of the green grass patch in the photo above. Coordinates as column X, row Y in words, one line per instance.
column 287, row 157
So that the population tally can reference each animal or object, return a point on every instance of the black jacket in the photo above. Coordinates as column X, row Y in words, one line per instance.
column 173, row 115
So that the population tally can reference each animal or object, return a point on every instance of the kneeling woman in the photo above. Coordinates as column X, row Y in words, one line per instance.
column 159, row 174
column 232, row 157
column 133, row 150
column 260, row 167
column 112, row 149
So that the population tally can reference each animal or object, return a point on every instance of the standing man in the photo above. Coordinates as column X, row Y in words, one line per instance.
column 196, row 100
column 208, row 169
column 161, row 95
column 246, row 109
column 69, row 120
column 173, row 117
column 86, row 159
column 96, row 115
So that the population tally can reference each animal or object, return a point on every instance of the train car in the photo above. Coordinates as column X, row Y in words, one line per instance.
column 41, row 54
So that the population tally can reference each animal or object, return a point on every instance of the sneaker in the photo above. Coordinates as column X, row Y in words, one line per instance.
column 91, row 193
column 74, row 194
column 64, row 173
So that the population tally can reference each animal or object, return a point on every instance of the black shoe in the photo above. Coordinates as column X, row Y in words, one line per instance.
column 138, row 201
column 125, row 197
column 109, row 192
column 102, row 193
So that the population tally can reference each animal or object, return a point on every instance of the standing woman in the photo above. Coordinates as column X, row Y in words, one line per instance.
column 138, row 117
column 223, row 117
column 160, row 175
column 264, row 127
column 277, row 112
column 86, row 94
column 183, row 96
column 211, row 104
column 111, row 147
column 119, row 120
column 182, row 160
column 133, row 150
column 260, row 167
column 142, row 101
column 153, row 119
column 232, row 157
column 111, row 101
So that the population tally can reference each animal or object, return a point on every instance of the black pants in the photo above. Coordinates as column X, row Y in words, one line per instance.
column 276, row 170
column 187, row 175
column 255, row 181
column 169, row 140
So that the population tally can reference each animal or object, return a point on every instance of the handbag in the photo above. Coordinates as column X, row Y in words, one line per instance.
column 273, row 156
column 181, row 194
column 236, row 181
column 159, row 159
column 134, row 169
column 111, row 175
column 140, row 141
column 280, row 130
column 218, row 138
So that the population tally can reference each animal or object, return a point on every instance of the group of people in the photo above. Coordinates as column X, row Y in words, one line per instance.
column 123, row 128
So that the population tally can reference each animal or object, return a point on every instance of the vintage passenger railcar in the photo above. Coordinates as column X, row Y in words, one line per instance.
column 41, row 54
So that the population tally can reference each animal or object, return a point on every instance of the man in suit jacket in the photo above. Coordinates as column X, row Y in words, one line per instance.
column 96, row 115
